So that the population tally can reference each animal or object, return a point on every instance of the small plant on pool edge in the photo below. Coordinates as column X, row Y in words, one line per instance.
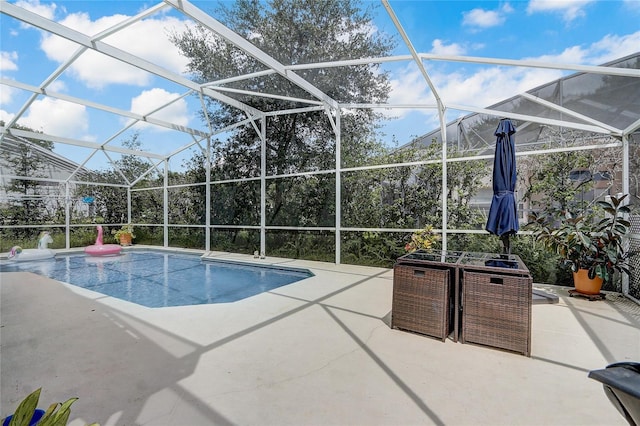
column 422, row 239
column 124, row 230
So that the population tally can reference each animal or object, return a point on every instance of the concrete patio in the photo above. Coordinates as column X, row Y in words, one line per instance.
column 316, row 352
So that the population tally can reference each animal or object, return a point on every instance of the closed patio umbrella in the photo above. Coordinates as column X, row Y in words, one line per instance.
column 503, row 215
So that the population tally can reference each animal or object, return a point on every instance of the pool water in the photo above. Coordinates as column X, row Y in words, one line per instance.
column 156, row 279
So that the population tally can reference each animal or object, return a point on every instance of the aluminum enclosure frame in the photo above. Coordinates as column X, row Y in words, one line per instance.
column 317, row 100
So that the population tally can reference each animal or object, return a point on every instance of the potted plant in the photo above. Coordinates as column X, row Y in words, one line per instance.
column 124, row 235
column 28, row 415
column 591, row 244
column 422, row 239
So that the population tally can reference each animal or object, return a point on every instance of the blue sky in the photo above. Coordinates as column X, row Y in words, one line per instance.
column 569, row 31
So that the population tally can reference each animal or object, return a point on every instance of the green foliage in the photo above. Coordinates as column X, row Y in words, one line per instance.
column 311, row 245
column 542, row 264
column 464, row 179
column 593, row 241
column 374, row 248
column 406, row 197
column 565, row 180
column 178, row 237
column 148, row 206
column 423, row 239
column 550, row 183
column 56, row 415
column 295, row 142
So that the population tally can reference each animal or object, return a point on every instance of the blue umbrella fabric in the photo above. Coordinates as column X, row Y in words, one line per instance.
column 503, row 213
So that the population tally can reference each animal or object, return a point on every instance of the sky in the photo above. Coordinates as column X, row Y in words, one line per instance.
column 582, row 32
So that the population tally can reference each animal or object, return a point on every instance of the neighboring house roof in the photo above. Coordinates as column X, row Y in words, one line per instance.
column 584, row 98
column 53, row 166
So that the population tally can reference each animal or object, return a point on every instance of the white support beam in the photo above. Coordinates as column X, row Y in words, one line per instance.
column 129, row 21
column 165, row 207
column 591, row 69
column 390, row 106
column 263, row 186
column 207, row 200
column 350, row 62
column 534, row 119
column 338, row 177
column 569, row 112
column 414, row 54
column 294, row 111
column 265, row 95
column 101, row 107
column 154, row 166
column 77, row 142
column 118, row 54
column 239, row 78
column 213, row 133
column 67, row 216
column 116, row 168
column 22, row 109
column 626, row 172
column 632, row 127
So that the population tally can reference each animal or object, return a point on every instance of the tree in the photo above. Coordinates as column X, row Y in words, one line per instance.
column 293, row 32
column 565, row 181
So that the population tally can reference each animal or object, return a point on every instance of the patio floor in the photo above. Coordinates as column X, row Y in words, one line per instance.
column 316, row 352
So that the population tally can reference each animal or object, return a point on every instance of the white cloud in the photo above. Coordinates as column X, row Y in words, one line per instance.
column 439, row 48
column 570, row 9
column 57, row 117
column 46, row 10
column 482, row 18
column 6, row 94
column 608, row 48
column 490, row 85
column 150, row 100
column 147, row 39
column 484, row 86
column 479, row 89
column 8, row 61
column 6, row 116
column 612, row 47
column 57, row 86
column 408, row 87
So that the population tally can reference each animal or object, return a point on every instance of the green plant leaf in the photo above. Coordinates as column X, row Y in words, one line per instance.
column 25, row 410
column 47, row 415
column 61, row 416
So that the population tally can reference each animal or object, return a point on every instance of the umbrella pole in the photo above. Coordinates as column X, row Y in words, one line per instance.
column 506, row 244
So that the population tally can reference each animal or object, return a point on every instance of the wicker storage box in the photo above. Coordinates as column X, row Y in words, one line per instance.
column 496, row 311
column 421, row 300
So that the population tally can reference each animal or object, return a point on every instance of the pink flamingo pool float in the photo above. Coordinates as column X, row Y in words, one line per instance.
column 100, row 249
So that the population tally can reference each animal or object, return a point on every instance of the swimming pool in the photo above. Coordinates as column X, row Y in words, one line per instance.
column 156, row 279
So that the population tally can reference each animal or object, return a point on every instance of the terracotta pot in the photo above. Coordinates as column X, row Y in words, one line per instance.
column 584, row 285
column 125, row 239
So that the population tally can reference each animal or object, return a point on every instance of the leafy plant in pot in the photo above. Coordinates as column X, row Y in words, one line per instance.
column 592, row 244
column 124, row 235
